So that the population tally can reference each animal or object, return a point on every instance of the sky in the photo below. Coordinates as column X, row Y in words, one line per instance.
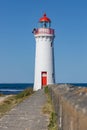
column 17, row 43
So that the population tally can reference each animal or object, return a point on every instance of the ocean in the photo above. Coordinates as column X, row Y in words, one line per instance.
column 79, row 84
column 13, row 88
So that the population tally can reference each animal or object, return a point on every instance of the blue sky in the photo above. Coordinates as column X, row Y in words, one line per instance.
column 17, row 43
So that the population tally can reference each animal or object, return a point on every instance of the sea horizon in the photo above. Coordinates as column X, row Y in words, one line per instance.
column 15, row 88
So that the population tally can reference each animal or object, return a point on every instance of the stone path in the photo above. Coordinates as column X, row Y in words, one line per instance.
column 27, row 115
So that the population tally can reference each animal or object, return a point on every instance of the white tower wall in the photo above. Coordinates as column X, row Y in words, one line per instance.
column 44, row 60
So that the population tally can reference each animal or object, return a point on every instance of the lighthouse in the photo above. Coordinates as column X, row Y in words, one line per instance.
column 44, row 56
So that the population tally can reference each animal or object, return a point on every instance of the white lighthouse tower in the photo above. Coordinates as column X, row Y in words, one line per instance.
column 44, row 58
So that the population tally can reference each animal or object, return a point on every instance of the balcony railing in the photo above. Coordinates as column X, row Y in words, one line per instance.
column 43, row 31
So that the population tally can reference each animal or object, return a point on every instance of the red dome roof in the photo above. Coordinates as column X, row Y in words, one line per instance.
column 44, row 19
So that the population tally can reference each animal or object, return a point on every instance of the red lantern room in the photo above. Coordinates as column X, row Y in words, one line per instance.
column 45, row 22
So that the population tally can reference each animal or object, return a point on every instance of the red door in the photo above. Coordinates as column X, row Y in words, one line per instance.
column 44, row 78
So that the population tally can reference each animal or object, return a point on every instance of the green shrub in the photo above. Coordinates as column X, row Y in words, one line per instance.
column 24, row 93
column 49, row 109
column 46, row 89
column 52, row 125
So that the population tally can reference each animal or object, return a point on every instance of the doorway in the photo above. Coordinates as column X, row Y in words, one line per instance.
column 44, row 78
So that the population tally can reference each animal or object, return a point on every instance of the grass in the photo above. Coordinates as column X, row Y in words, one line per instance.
column 49, row 110
column 12, row 101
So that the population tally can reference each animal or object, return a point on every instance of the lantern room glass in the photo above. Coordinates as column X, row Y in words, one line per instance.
column 44, row 24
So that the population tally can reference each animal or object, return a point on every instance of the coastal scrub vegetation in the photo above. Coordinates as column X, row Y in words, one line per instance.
column 49, row 110
column 13, row 100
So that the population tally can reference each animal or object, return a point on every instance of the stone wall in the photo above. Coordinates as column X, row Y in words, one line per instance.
column 70, row 105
